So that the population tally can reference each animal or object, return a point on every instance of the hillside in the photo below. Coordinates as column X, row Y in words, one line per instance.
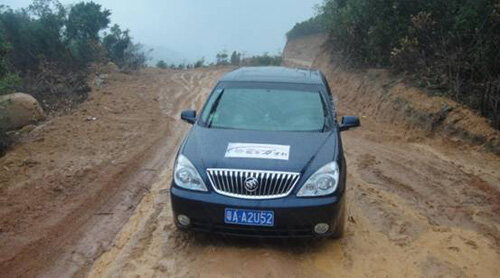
column 388, row 98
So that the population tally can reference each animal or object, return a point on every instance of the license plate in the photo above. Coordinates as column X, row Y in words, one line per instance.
column 249, row 217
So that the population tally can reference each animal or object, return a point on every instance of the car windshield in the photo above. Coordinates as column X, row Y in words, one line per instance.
column 265, row 109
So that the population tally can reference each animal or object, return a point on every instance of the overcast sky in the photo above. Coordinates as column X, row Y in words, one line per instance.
column 200, row 28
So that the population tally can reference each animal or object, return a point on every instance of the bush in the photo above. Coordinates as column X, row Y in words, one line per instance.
column 9, row 83
column 222, row 58
column 84, row 22
column 4, row 139
column 311, row 26
column 134, row 58
column 34, row 34
column 4, row 142
column 450, row 45
column 200, row 63
column 46, row 50
column 122, row 51
column 235, row 58
column 263, row 60
column 161, row 64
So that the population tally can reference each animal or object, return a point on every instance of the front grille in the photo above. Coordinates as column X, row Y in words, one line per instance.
column 252, row 184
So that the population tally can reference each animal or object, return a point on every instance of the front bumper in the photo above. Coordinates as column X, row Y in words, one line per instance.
column 293, row 217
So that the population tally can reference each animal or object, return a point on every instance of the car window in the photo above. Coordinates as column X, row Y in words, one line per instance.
column 265, row 109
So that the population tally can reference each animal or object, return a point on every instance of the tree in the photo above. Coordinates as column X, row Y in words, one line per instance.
column 222, row 58
column 312, row 26
column 122, row 51
column 200, row 63
column 450, row 45
column 263, row 60
column 35, row 34
column 8, row 81
column 116, row 42
column 135, row 58
column 85, row 20
column 161, row 64
column 235, row 58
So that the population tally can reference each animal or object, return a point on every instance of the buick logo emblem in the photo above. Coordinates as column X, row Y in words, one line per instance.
column 251, row 184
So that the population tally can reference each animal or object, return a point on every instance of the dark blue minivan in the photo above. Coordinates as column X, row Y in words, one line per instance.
column 264, row 158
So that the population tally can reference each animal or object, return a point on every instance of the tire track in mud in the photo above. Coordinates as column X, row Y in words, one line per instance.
column 153, row 211
column 174, row 99
column 414, row 210
column 108, row 165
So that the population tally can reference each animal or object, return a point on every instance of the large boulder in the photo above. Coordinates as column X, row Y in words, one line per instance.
column 18, row 110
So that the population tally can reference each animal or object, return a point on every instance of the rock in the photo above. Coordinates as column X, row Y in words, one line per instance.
column 98, row 82
column 109, row 68
column 164, row 265
column 27, row 129
column 100, row 79
column 28, row 162
column 351, row 219
column 18, row 110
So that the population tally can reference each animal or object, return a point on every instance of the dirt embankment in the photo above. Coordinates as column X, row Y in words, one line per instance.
column 387, row 98
column 303, row 52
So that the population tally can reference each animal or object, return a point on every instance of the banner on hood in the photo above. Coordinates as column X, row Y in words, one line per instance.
column 260, row 151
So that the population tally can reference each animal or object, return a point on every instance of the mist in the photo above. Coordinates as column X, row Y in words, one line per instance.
column 184, row 31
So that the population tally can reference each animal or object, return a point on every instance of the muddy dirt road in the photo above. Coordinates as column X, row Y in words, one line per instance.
column 71, row 183
column 417, row 207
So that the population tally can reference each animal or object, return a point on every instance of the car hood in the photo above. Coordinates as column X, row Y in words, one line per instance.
column 206, row 148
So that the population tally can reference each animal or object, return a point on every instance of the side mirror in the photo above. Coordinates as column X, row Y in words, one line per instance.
column 349, row 122
column 189, row 116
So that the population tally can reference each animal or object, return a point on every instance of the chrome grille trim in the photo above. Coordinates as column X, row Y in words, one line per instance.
column 272, row 184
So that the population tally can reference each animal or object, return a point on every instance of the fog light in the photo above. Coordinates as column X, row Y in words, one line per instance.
column 321, row 228
column 183, row 220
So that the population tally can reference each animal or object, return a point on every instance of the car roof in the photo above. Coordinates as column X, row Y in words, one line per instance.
column 274, row 74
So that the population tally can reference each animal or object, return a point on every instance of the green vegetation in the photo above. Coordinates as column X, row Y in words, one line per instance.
column 47, row 50
column 49, row 43
column 262, row 60
column 120, row 48
column 83, row 24
column 222, row 58
column 8, row 80
column 235, row 58
column 200, row 63
column 311, row 26
column 238, row 59
column 449, row 46
column 161, row 64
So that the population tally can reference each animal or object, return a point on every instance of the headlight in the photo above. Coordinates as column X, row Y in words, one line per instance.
column 186, row 176
column 322, row 182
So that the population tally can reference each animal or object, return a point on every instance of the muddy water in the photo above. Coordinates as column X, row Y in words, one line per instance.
column 416, row 208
